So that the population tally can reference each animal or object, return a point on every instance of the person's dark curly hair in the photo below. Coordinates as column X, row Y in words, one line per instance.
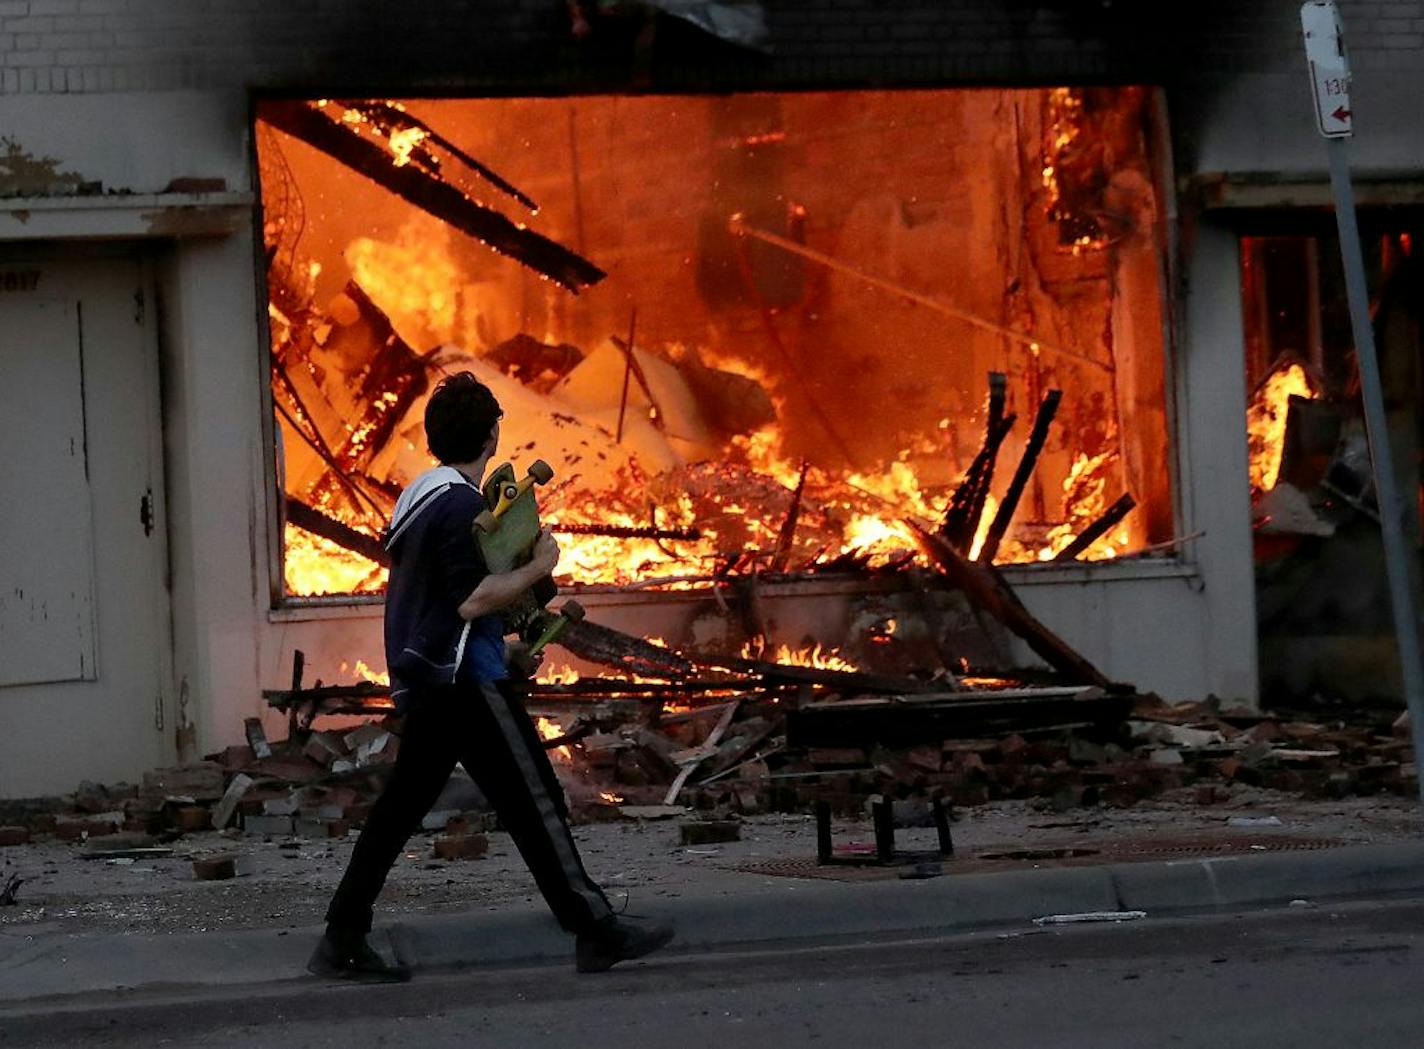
column 459, row 418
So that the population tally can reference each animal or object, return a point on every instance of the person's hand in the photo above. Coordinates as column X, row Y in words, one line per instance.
column 545, row 556
column 521, row 661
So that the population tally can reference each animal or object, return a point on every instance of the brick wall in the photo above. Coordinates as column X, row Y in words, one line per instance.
column 120, row 45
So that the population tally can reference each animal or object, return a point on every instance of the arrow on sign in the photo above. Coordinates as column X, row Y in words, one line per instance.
column 1341, row 114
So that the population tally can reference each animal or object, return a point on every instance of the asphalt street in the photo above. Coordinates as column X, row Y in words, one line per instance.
column 1305, row 976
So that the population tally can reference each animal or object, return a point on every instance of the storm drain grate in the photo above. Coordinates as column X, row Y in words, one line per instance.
column 1079, row 854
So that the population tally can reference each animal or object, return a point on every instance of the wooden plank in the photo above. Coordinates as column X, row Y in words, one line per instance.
column 613, row 648
column 705, row 751
column 1036, row 439
column 446, row 202
column 847, row 680
column 985, row 587
column 1090, row 535
column 314, row 521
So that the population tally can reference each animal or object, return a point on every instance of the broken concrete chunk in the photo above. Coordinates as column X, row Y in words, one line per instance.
column 381, row 750
column 1175, row 735
column 256, row 738
column 227, row 807
column 280, row 806
column 438, row 819
column 652, row 812
column 358, row 737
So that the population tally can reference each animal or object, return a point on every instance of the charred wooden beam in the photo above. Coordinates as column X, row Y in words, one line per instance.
column 430, row 194
column 572, row 736
column 1005, row 515
column 343, row 535
column 627, row 531
column 786, row 540
column 898, row 722
column 961, row 520
column 985, row 587
column 282, row 698
column 836, row 680
column 596, row 688
column 389, row 118
column 1095, row 531
column 613, row 648
column 628, row 362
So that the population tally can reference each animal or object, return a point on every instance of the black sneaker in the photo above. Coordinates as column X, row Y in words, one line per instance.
column 619, row 940
column 347, row 956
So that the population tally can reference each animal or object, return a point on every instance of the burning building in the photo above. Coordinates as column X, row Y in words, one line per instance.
column 759, row 317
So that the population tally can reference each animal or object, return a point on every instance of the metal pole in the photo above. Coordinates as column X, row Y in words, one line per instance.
column 1396, row 553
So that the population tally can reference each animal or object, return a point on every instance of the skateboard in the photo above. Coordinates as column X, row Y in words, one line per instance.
column 506, row 533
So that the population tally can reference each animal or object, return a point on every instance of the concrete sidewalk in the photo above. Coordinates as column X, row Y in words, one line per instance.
column 39, row 965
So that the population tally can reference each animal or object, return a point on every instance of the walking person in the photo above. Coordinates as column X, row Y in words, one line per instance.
column 449, row 671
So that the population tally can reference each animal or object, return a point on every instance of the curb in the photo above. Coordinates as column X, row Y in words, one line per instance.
column 780, row 911
column 828, row 910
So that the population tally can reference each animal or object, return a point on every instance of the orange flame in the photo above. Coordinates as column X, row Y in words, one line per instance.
column 1266, row 422
column 549, row 729
column 816, row 656
column 315, row 566
column 364, row 672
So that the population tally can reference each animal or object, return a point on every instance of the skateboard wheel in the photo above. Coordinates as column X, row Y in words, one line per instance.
column 485, row 522
column 541, row 471
column 572, row 611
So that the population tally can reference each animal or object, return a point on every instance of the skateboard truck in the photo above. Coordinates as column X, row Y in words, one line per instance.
column 509, row 492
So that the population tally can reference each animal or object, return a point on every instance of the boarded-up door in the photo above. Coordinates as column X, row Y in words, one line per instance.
column 47, row 604
column 85, row 649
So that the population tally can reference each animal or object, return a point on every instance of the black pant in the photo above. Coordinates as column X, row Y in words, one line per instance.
column 491, row 735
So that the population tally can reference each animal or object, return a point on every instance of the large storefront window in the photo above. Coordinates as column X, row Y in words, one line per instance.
column 815, row 286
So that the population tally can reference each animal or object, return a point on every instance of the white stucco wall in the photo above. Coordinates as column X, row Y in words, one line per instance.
column 1184, row 633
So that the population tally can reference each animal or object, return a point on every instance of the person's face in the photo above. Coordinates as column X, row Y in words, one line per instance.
column 493, row 444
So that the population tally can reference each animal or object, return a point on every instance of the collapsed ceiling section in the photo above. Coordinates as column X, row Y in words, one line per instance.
column 750, row 332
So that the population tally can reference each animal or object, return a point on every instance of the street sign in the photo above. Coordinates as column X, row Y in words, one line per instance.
column 1329, row 68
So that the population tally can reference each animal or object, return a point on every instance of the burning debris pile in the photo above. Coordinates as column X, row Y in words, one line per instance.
column 728, row 737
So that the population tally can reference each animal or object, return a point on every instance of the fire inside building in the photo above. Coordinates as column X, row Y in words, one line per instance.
column 816, row 288
column 1009, row 353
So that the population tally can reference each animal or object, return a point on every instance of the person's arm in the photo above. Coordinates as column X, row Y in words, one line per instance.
column 495, row 591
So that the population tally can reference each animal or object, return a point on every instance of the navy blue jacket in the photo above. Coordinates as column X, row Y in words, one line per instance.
column 435, row 564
